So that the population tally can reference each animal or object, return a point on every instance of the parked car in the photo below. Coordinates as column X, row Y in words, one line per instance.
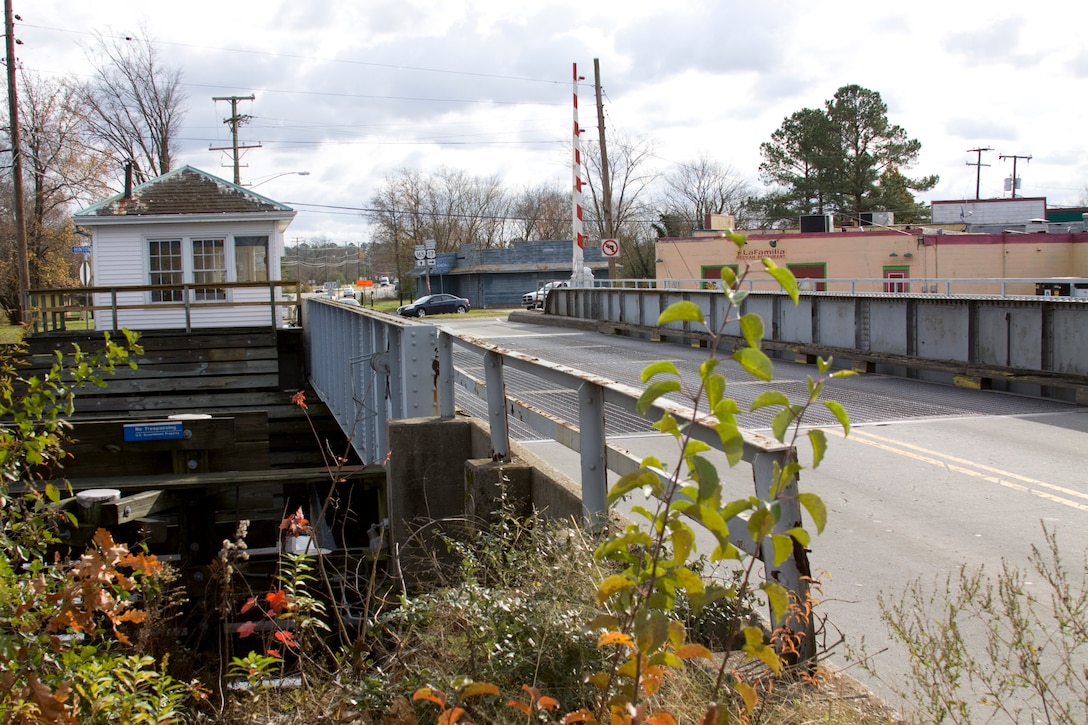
column 434, row 305
column 532, row 300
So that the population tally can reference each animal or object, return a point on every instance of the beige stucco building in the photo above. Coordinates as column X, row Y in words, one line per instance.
column 896, row 259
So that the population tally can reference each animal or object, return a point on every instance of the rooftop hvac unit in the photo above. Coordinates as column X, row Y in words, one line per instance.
column 877, row 218
column 817, row 222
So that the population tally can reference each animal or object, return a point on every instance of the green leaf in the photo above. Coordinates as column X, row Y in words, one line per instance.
column 690, row 581
column 755, row 363
column 783, row 548
column 736, row 296
column 683, row 311
column 819, row 445
column 729, row 277
column 706, row 473
column 755, row 646
column 654, row 391
column 770, row 397
column 816, row 509
column 651, row 630
column 840, row 414
column 631, row 537
column 52, row 492
column 751, row 326
column 694, row 446
column 658, row 368
column 715, row 390
column 612, row 586
column 844, row 373
column 667, row 424
column 707, row 368
column 683, row 541
column 785, row 278
column 732, row 441
column 778, row 598
column 780, row 425
column 653, row 462
column 631, row 481
column 760, row 523
column 735, row 508
column 801, row 535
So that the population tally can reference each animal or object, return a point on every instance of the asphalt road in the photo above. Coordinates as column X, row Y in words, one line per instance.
column 931, row 477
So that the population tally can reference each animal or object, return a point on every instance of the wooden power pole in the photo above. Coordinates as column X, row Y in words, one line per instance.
column 606, row 179
column 234, row 121
column 978, row 167
column 22, row 263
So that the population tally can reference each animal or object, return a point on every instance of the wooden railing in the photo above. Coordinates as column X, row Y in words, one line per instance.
column 74, row 308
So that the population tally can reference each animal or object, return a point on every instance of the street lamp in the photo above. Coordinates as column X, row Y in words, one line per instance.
column 276, row 176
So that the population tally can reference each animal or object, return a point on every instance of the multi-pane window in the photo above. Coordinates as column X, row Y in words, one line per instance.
column 251, row 258
column 209, row 268
column 165, row 265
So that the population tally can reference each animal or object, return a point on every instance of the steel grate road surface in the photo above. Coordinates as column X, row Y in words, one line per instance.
column 868, row 398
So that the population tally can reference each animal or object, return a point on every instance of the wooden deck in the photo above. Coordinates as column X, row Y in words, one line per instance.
column 204, row 433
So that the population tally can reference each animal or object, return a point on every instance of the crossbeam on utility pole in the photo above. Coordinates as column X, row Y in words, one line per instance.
column 1014, row 157
column 978, row 166
column 234, row 121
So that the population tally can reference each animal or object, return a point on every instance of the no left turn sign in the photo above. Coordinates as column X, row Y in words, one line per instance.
column 610, row 247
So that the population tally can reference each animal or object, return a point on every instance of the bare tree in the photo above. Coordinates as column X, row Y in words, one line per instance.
column 61, row 170
column 631, row 177
column 541, row 212
column 700, row 187
column 135, row 104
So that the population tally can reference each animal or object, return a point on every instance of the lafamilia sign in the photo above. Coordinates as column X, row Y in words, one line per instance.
column 760, row 253
column 136, row 432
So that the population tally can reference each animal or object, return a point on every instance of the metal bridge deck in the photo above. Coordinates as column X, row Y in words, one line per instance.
column 868, row 398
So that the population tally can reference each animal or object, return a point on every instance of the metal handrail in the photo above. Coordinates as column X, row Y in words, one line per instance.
column 370, row 368
column 49, row 308
column 859, row 285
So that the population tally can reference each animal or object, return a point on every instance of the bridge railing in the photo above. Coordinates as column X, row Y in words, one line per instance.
column 370, row 368
column 183, row 306
column 941, row 286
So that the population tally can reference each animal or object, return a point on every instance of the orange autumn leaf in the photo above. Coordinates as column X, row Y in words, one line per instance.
column 286, row 637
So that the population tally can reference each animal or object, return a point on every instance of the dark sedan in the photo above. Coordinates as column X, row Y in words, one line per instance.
column 435, row 305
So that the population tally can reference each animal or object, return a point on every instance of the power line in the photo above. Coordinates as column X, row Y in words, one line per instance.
column 294, row 56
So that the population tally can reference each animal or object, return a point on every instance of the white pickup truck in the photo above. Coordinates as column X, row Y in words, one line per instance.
column 532, row 300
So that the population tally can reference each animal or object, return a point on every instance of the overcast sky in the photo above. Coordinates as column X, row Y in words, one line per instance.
column 354, row 90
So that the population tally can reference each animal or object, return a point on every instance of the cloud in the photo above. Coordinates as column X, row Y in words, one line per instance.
column 995, row 42
column 972, row 129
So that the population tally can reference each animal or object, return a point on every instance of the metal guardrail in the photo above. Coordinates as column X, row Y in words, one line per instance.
column 369, row 368
column 60, row 308
column 944, row 286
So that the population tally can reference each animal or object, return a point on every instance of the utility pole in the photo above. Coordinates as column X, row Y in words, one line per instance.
column 234, row 121
column 978, row 166
column 606, row 180
column 22, row 262
column 1014, row 158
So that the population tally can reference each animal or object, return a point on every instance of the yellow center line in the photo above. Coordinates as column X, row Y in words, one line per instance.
column 952, row 463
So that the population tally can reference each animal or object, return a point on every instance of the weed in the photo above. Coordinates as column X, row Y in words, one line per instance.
column 1024, row 647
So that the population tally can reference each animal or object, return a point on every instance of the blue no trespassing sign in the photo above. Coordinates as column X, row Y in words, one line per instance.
column 135, row 432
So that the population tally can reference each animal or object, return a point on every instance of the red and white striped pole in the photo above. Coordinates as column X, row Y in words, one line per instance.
column 576, row 195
